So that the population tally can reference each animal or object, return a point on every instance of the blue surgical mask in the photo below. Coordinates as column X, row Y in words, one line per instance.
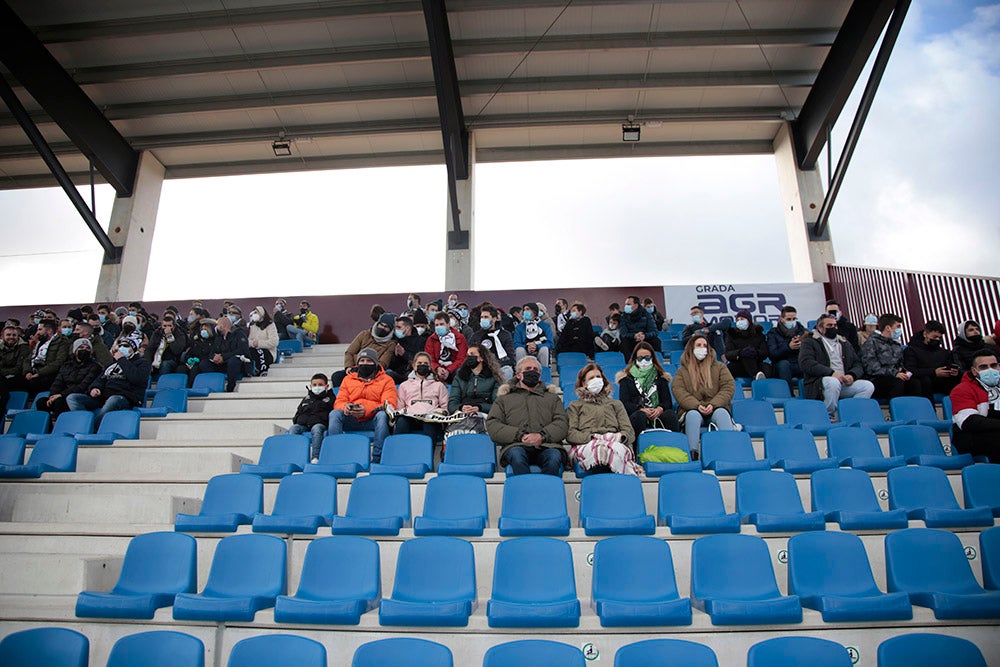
column 871, row 320
column 897, row 334
column 464, row 312
column 102, row 318
column 204, row 333
column 990, row 377
column 399, row 333
column 528, row 315
column 192, row 318
column 742, row 325
column 696, row 319
column 66, row 331
column 790, row 325
column 125, row 351
column 628, row 309
column 233, row 318
column 650, row 309
column 486, row 323
column 441, row 330
column 133, row 313
column 574, row 315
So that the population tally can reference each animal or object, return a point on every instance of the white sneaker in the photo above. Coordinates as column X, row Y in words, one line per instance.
column 599, row 342
column 314, row 460
column 760, row 376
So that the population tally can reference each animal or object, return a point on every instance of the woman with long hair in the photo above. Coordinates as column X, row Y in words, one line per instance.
column 644, row 390
column 704, row 391
column 475, row 385
column 420, row 394
column 263, row 339
column 600, row 432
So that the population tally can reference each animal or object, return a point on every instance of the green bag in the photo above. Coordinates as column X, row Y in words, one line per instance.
column 663, row 455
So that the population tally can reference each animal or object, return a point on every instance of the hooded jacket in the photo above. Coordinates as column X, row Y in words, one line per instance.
column 467, row 388
column 371, row 394
column 922, row 360
column 814, row 360
column 966, row 349
column 737, row 341
column 519, row 411
column 597, row 413
column 881, row 356
column 14, row 359
column 314, row 409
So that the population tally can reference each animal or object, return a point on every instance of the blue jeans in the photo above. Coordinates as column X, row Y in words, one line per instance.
column 101, row 406
column 168, row 366
column 299, row 333
column 787, row 370
column 694, row 420
column 232, row 367
column 549, row 459
column 339, row 422
column 317, row 431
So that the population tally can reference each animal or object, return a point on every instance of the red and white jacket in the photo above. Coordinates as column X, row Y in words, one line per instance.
column 971, row 398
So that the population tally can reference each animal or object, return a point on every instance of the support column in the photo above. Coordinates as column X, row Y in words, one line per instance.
column 132, row 222
column 458, row 263
column 801, row 199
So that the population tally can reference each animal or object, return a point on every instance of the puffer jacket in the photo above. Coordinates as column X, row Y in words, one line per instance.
column 779, row 340
column 314, row 409
column 371, row 394
column 126, row 377
column 814, row 360
column 922, row 359
column 418, row 396
column 467, row 388
column 14, row 359
column 600, row 413
column 518, row 411
column 364, row 339
column 881, row 356
column 719, row 395
column 75, row 377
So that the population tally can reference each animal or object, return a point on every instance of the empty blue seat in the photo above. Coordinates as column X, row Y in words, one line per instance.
column 165, row 402
column 117, row 425
column 865, row 412
column 614, row 505
column 340, row 581
column 270, row 650
column 609, row 358
column 279, row 456
column 846, row 496
column 665, row 653
column 435, row 584
column 931, row 567
column 11, row 451
column 343, row 455
column 794, row 451
column 691, row 503
column 770, row 500
column 453, row 505
column 566, row 359
column 730, row 453
column 303, row 504
column 858, row 447
column 169, row 381
column 925, row 493
column 918, row 410
column 830, row 573
column 402, row 651
column 533, row 505
column 54, row 453
column 920, row 649
column 377, row 505
column 469, row 454
column 771, row 390
column 622, row 599
column 989, row 553
column 29, row 422
column 808, row 415
column 207, row 383
column 533, row 585
column 289, row 347
column 921, row 445
column 796, row 651
column 159, row 648
column 230, row 501
column 666, row 439
column 981, row 486
column 756, row 417
column 16, row 400
column 410, row 455
column 248, row 573
column 534, row 653
column 45, row 647
column 157, row 567
column 732, row 581
column 13, row 411
column 68, row 423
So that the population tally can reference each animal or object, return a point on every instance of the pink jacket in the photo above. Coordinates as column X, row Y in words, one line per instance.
column 417, row 396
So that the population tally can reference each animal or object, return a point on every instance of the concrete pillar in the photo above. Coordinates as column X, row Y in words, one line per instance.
column 132, row 222
column 458, row 263
column 801, row 199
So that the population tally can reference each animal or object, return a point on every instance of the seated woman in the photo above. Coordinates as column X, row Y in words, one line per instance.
column 600, row 431
column 420, row 394
column 263, row 339
column 644, row 390
column 199, row 346
column 969, row 341
column 746, row 348
column 475, row 385
column 704, row 390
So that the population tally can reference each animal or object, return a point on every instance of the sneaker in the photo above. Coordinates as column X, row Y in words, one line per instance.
column 314, row 460
column 760, row 376
column 737, row 427
column 599, row 342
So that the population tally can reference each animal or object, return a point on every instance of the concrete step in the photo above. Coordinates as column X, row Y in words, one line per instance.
column 192, row 425
column 165, row 460
column 248, row 404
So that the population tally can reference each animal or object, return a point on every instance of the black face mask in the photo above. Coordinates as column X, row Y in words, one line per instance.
column 531, row 378
column 83, row 356
column 933, row 343
column 303, row 310
column 423, row 370
column 382, row 332
column 128, row 328
column 42, row 337
column 471, row 362
column 976, row 340
column 830, row 333
column 367, row 370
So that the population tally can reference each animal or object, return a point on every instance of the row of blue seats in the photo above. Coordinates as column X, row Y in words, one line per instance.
column 757, row 415
column 688, row 502
column 60, row 647
column 732, row 580
column 32, row 425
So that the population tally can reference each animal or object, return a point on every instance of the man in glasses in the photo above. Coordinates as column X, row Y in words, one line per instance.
column 976, row 408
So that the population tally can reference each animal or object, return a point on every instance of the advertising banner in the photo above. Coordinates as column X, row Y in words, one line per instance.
column 764, row 301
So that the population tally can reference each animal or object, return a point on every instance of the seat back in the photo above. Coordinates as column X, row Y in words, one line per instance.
column 928, row 649
column 456, row 497
column 805, row 411
column 649, row 439
column 534, row 653
column 402, row 651
column 470, row 448
column 408, row 449
column 174, row 400
column 611, row 497
column 435, row 569
column 609, row 359
column 160, row 648
column 346, row 448
column 571, row 359
column 210, row 382
column 617, row 560
column 795, row 651
column 233, row 493
column 989, row 552
column 913, row 487
column 290, row 346
column 853, row 442
column 767, row 491
column 123, row 423
column 665, row 653
column 908, row 408
column 379, row 496
column 755, row 413
column 843, row 490
column 829, row 563
column 11, row 451
column 549, row 578
column 733, row 567
column 45, row 647
column 308, row 494
column 727, row 446
column 919, row 560
column 859, row 410
column 56, row 451
column 981, row 485
column 286, row 448
column 269, row 650
column 16, row 400
column 248, row 565
column 341, row 567
column 695, row 494
column 913, row 440
column 534, row 497
column 769, row 388
column 171, row 381
column 790, row 444
column 29, row 421
column 74, row 422
column 164, row 562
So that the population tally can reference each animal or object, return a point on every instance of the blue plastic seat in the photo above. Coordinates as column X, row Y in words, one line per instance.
column 533, row 585
column 402, row 651
column 622, row 599
column 772, row 390
column 68, row 423
column 157, row 567
column 343, row 455
column 534, row 653
column 207, row 383
column 435, row 584
column 230, row 501
column 16, row 400
column 794, row 451
column 931, row 567
column 756, row 416
column 289, row 347
column 770, row 500
column 469, row 454
column 614, row 505
column 609, row 359
column 11, row 451
column 981, row 486
column 865, row 412
column 533, row 505
column 410, row 455
column 919, row 649
column 270, row 650
column 918, row 410
column 280, row 455
column 13, row 411
column 730, row 453
column 989, row 553
column 377, row 505
column 116, row 425
column 248, row 573
column 921, row 445
column 453, row 505
column 666, row 439
column 830, row 573
column 691, row 503
column 168, row 381
column 547, row 374
column 341, row 580
column 925, row 493
column 732, row 581
column 665, row 653
column 796, row 651
column 159, row 648
column 808, row 415
column 858, row 447
column 846, row 496
column 54, row 453
column 566, row 359
column 29, row 422
column 165, row 402
column 303, row 504
column 45, row 647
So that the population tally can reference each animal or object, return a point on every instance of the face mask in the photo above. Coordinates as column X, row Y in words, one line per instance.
column 409, row 303
column 303, row 311
column 471, row 362
column 66, row 331
column 83, row 356
column 453, row 322
column 125, row 351
column 255, row 317
column 612, row 327
column 399, row 333
column 531, row 378
column 835, row 314
column 37, row 320
column 791, row 324
column 128, row 328
column 279, row 307
column 383, row 332
column 233, row 318
column 933, row 343
column 830, row 333
column 423, row 370
column 205, row 333
column 367, row 370
column 650, row 309
column 897, row 334
column 871, row 321
column 42, row 337
column 441, row 330
column 464, row 312
column 317, row 389
column 528, row 316
column 643, row 363
column 192, row 318
column 700, row 353
column 990, row 377
column 102, row 318
column 486, row 323
column 421, row 330
column 133, row 313
column 452, row 303
column 742, row 325
column 628, row 309
column 574, row 315
column 696, row 319
column 595, row 385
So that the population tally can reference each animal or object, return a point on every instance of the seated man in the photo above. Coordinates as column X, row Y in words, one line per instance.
column 934, row 368
column 359, row 402
column 578, row 333
column 529, row 422
column 532, row 337
column 305, row 325
column 166, row 347
column 378, row 337
column 282, row 319
column 975, row 405
column 658, row 319
column 122, row 385
column 406, row 344
column 784, row 341
column 561, row 311
column 714, row 331
column 637, row 326
column 47, row 357
column 495, row 339
column 229, row 351
column 313, row 414
column 14, row 356
column 845, row 328
column 831, row 367
column 447, row 347
column 746, row 348
column 882, row 358
column 92, row 330
column 74, row 377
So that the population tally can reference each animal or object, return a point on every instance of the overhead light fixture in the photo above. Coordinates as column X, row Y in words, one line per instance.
column 630, row 132
column 281, row 148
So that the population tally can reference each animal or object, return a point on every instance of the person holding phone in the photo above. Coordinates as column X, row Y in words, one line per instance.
column 784, row 341
column 934, row 368
column 882, row 358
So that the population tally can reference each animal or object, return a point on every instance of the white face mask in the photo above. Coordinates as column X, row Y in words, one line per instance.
column 254, row 317
column 420, row 330
column 700, row 353
column 595, row 385
column 644, row 363
column 317, row 389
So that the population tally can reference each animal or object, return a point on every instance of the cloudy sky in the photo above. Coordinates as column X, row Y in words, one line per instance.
column 921, row 194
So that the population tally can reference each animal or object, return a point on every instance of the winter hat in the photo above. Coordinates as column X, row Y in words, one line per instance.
column 388, row 319
column 533, row 307
column 121, row 311
column 260, row 311
column 419, row 317
column 130, row 319
column 82, row 342
column 236, row 309
column 745, row 314
column 368, row 353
